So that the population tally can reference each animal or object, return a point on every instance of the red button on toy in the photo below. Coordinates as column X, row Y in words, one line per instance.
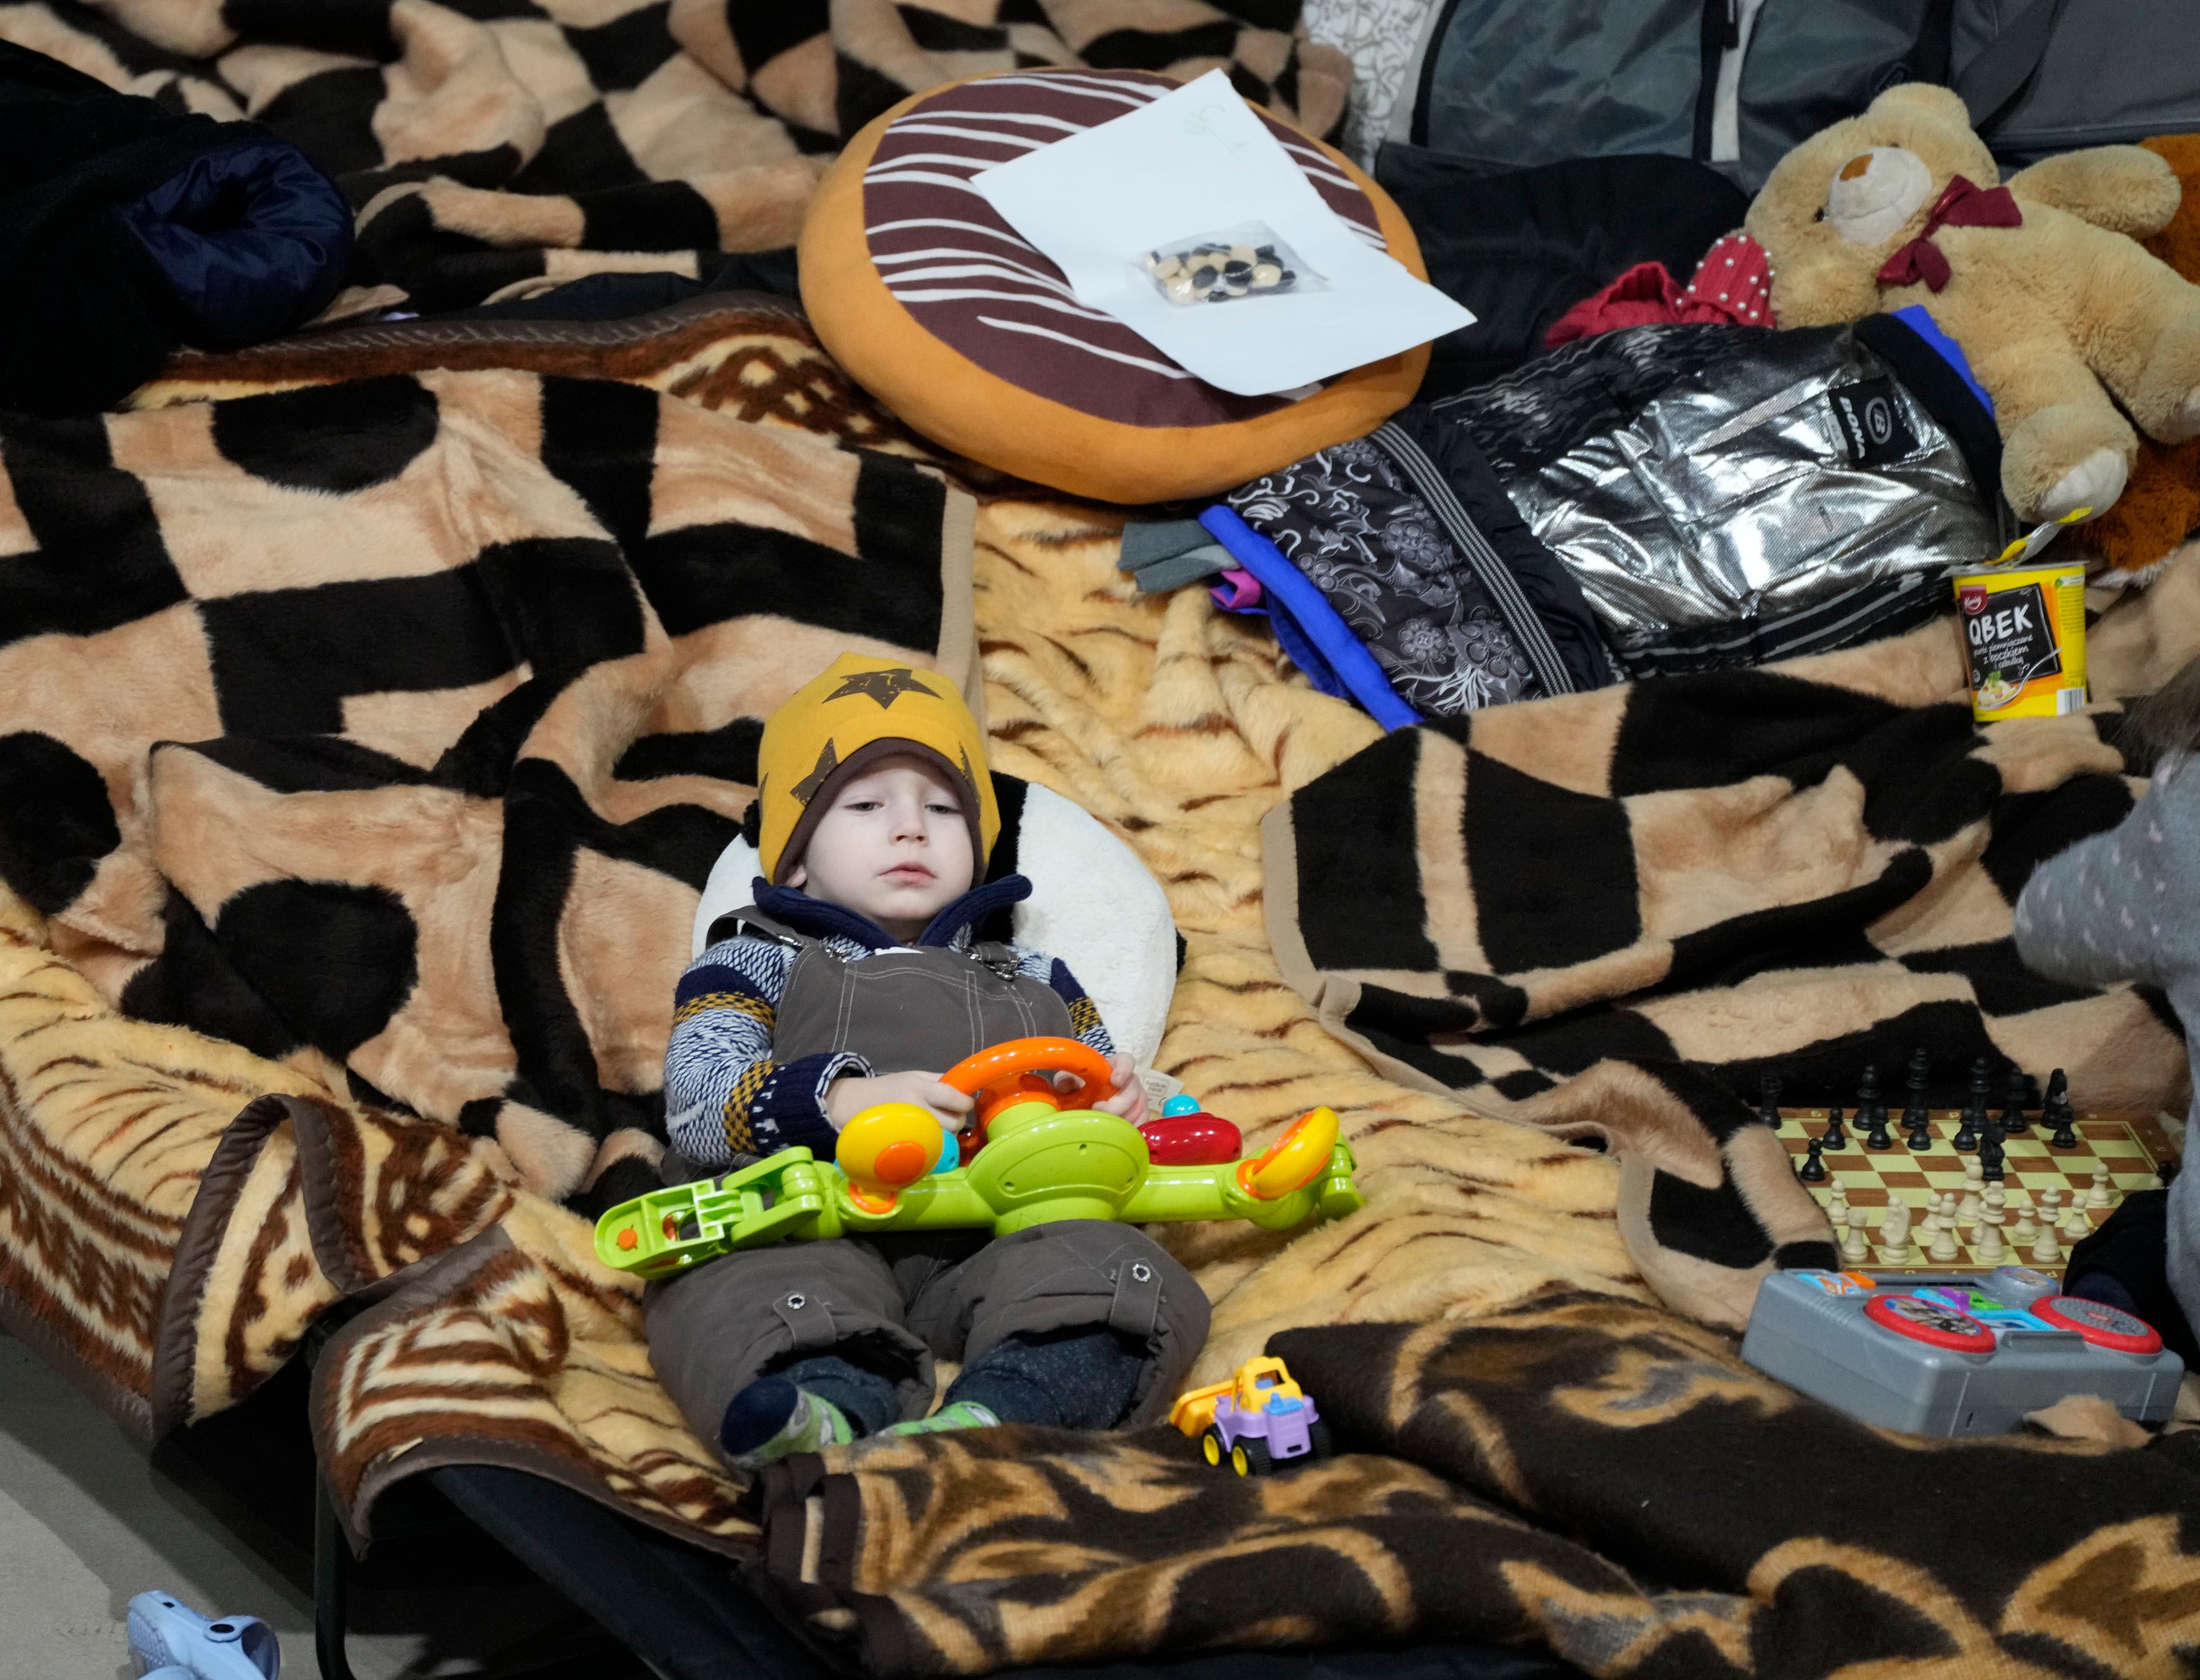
column 1930, row 1322
column 2100, row 1324
column 1184, row 1135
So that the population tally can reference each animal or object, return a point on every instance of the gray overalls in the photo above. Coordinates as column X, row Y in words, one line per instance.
column 904, row 1299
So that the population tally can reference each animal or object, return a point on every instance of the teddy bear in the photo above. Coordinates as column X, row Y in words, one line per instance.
column 2041, row 281
column 2159, row 511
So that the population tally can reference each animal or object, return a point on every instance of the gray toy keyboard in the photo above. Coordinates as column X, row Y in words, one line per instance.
column 1958, row 1354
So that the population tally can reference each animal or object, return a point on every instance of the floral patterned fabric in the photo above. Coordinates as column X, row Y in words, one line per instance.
column 1379, row 36
column 1348, row 520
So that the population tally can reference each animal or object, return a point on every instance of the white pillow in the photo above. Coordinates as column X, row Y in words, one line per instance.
column 1093, row 904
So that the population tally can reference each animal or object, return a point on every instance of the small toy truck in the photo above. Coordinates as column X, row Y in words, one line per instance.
column 1257, row 1421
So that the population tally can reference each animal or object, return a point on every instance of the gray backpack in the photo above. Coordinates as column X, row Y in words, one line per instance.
column 1737, row 83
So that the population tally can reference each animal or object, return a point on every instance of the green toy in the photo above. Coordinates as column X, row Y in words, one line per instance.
column 1034, row 1160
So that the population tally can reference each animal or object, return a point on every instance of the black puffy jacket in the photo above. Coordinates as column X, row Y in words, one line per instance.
column 126, row 229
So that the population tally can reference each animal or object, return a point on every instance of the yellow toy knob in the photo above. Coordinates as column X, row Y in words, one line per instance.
column 1295, row 1159
column 887, row 1146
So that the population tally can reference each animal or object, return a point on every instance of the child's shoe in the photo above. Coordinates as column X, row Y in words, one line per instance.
column 165, row 1632
column 963, row 1414
column 771, row 1418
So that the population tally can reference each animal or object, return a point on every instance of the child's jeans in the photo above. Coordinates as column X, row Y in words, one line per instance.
column 891, row 1303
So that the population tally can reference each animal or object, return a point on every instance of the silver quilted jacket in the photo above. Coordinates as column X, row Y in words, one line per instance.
column 1729, row 496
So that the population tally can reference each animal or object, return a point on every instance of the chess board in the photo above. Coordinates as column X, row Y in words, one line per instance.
column 2128, row 1146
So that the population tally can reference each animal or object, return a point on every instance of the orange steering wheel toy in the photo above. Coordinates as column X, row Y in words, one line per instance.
column 1030, row 1158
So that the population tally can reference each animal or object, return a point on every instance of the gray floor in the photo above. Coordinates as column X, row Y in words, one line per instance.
column 87, row 1520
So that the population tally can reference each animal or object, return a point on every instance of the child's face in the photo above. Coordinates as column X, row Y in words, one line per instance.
column 893, row 846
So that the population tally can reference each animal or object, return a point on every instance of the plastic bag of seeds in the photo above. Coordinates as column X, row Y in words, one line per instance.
column 1221, row 266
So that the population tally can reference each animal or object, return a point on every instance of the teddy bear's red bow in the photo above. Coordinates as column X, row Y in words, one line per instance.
column 1963, row 205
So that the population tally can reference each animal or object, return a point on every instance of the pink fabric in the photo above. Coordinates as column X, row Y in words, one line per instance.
column 1237, row 591
column 1964, row 204
column 1732, row 283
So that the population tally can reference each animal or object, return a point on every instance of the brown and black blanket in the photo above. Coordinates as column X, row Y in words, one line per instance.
column 391, row 727
column 1574, row 1472
column 494, row 149
column 1614, row 915
column 370, row 700
column 170, row 1250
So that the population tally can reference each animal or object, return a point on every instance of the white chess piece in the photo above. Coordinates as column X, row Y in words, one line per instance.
column 2050, row 1206
column 1854, row 1248
column 2047, row 1251
column 2026, row 1229
column 1988, row 1246
column 2077, row 1224
column 2100, row 1196
column 1895, row 1232
column 1944, row 1248
column 1975, row 1177
column 1837, row 1207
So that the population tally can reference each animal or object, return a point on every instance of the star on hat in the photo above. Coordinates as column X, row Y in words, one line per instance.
column 883, row 686
column 828, row 761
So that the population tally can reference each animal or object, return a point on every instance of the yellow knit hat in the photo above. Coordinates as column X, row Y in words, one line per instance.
column 863, row 709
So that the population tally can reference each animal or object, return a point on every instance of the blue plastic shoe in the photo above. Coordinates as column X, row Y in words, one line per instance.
column 172, row 1641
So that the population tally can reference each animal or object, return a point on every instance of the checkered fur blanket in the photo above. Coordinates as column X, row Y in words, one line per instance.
column 391, row 726
column 1610, row 916
column 494, row 150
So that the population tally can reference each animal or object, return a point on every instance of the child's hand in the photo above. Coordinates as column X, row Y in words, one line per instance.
column 850, row 1095
column 1129, row 1098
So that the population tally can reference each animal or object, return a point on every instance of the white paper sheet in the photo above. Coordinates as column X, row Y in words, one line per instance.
column 1197, row 160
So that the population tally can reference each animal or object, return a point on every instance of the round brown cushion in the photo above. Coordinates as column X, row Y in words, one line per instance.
column 934, row 305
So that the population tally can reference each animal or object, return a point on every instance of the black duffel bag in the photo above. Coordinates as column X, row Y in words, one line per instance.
column 1738, row 83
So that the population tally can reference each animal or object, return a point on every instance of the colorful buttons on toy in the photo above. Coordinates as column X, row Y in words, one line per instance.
column 1839, row 1282
column 2100, row 1324
column 887, row 1146
column 1185, row 1135
column 1294, row 1160
column 1933, row 1322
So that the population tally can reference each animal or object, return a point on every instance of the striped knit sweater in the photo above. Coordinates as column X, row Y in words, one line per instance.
column 724, row 1093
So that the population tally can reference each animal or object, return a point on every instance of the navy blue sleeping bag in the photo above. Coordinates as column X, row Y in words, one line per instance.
column 126, row 229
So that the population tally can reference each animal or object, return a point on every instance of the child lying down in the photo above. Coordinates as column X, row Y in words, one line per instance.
column 855, row 979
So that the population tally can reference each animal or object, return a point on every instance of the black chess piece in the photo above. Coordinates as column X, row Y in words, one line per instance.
column 1768, row 1100
column 1868, row 1103
column 1870, row 1112
column 1991, row 1153
column 1836, row 1134
column 1975, row 1109
column 1917, row 1112
column 1981, row 1089
column 2055, row 1110
column 1813, row 1169
column 2013, row 1122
